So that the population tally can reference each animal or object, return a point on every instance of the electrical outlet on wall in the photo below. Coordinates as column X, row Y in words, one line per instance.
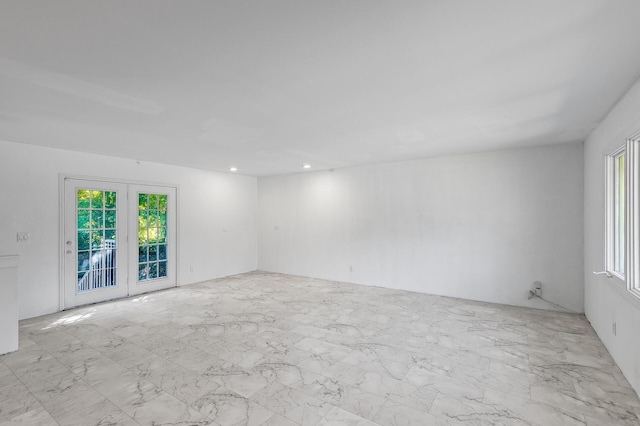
column 537, row 288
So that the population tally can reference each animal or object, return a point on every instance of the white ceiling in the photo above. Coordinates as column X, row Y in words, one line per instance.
column 268, row 85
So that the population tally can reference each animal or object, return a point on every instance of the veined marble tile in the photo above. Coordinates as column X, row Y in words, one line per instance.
column 228, row 408
column 622, row 381
column 463, row 411
column 509, row 354
column 616, row 413
column 95, row 369
column 373, row 357
column 292, row 404
column 16, row 400
column 491, row 380
column 43, row 372
column 56, row 341
column 25, row 358
column 38, row 416
column 400, row 391
column 181, row 383
column 410, row 343
column 340, row 417
column 100, row 413
column 288, row 374
column 110, row 321
column 245, row 358
column 24, row 341
column 590, row 360
column 347, row 373
column 131, row 331
column 173, row 330
column 316, row 362
column 68, row 398
column 128, row 391
column 610, row 394
column 278, row 420
column 532, row 411
column 204, row 342
column 94, row 335
column 431, row 362
column 579, row 372
column 6, row 375
column 351, row 398
column 246, row 384
column 393, row 413
column 271, row 349
column 277, row 344
column 166, row 410
column 444, row 384
column 328, row 350
column 554, row 377
column 174, row 350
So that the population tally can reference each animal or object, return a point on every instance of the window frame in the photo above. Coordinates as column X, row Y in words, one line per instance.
column 631, row 275
column 611, row 213
column 632, row 266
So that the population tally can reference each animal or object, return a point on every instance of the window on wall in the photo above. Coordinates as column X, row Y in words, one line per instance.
column 618, row 213
column 623, row 224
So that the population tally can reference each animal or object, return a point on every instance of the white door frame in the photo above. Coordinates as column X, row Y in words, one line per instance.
column 62, row 177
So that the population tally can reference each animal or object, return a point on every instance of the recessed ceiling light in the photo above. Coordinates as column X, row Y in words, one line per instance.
column 233, row 169
column 307, row 166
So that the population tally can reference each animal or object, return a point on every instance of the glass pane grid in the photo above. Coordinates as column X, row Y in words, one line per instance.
column 152, row 236
column 96, row 239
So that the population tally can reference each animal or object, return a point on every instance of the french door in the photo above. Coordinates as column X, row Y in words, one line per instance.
column 119, row 240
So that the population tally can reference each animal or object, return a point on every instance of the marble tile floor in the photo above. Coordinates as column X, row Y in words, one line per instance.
column 271, row 349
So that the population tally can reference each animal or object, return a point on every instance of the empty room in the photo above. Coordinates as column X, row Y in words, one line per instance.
column 349, row 213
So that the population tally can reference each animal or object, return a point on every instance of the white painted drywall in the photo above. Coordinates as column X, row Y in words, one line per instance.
column 8, row 304
column 606, row 300
column 482, row 226
column 217, row 229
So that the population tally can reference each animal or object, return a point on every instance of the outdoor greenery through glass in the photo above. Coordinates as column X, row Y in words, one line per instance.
column 96, row 244
column 152, row 236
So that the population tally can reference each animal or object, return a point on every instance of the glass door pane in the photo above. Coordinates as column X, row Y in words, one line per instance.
column 95, row 235
column 153, row 248
column 97, row 239
column 152, row 236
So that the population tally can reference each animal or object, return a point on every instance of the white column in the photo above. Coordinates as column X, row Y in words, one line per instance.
column 8, row 304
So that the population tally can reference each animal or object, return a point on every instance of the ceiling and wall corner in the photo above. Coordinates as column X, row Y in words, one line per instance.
column 268, row 86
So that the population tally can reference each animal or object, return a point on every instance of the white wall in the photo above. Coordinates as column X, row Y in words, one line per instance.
column 482, row 226
column 9, row 304
column 606, row 300
column 208, row 203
